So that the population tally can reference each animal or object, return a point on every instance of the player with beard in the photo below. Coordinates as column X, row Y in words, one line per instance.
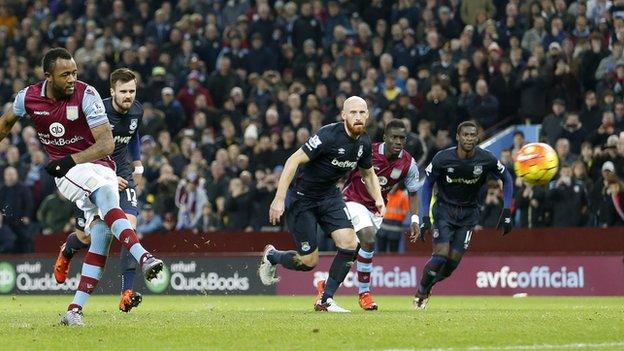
column 459, row 173
column 71, row 123
column 124, row 114
column 393, row 165
column 314, row 199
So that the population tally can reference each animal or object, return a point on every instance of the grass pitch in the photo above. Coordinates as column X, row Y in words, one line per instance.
column 288, row 323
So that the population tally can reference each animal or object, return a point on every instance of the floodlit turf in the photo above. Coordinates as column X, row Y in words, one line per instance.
column 288, row 323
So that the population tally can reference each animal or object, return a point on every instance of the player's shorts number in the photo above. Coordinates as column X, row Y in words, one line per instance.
column 132, row 196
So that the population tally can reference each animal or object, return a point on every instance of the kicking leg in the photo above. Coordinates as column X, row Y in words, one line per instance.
column 106, row 198
column 129, row 298
column 75, row 242
column 92, row 269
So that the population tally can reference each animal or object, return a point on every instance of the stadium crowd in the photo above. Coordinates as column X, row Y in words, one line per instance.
column 231, row 88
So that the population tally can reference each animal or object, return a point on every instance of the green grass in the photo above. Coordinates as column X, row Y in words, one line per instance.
column 288, row 323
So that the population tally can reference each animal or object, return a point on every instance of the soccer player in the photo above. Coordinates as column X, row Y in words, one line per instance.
column 459, row 173
column 314, row 198
column 71, row 123
column 392, row 164
column 124, row 115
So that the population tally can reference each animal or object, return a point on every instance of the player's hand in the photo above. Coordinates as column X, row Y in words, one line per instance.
column 276, row 210
column 425, row 228
column 415, row 232
column 121, row 183
column 381, row 209
column 504, row 222
column 137, row 179
column 58, row 168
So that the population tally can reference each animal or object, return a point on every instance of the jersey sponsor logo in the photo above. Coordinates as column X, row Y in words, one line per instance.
column 313, row 142
column 57, row 129
column 133, row 124
column 344, row 164
column 122, row 140
column 41, row 113
column 59, row 142
column 72, row 113
column 396, row 173
column 461, row 180
column 478, row 169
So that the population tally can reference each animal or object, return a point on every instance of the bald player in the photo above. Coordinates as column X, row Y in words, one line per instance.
column 314, row 199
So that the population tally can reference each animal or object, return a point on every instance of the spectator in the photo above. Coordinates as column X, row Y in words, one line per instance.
column 148, row 221
column 208, row 222
column 190, row 199
column 438, row 109
column 574, row 131
column 483, row 107
column 491, row 207
column 391, row 231
column 568, row 200
column 552, row 126
column 17, row 209
column 188, row 94
column 163, row 191
column 502, row 86
column 175, row 118
column 238, row 213
column 55, row 213
column 563, row 152
column 260, row 58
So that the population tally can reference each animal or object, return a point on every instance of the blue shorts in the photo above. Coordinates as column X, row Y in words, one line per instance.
column 127, row 202
column 304, row 214
column 454, row 225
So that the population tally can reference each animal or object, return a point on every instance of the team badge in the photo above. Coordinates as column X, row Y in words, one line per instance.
column 382, row 180
column 450, row 170
column 72, row 113
column 133, row 123
column 396, row 173
column 436, row 233
column 477, row 170
column 305, row 246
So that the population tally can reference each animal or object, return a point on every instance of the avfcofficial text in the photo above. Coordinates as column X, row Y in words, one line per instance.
column 537, row 277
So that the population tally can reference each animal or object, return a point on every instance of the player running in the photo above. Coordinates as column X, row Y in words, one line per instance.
column 71, row 123
column 459, row 173
column 392, row 165
column 314, row 198
column 124, row 114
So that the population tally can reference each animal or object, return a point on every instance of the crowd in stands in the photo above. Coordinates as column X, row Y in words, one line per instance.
column 231, row 88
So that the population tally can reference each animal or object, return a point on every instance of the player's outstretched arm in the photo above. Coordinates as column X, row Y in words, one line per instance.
column 104, row 145
column 374, row 189
column 6, row 123
column 288, row 173
column 425, row 203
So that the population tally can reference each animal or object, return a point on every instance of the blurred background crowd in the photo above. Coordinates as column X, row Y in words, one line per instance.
column 231, row 88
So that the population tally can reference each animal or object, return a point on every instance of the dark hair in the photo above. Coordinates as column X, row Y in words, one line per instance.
column 395, row 123
column 123, row 75
column 50, row 57
column 466, row 124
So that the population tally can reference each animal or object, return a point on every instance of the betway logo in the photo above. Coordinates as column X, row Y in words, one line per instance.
column 344, row 164
column 395, row 278
column 122, row 140
column 537, row 277
column 461, row 180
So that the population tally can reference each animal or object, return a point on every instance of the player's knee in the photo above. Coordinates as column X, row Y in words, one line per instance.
column 367, row 240
column 347, row 242
column 441, row 250
column 83, row 237
column 308, row 261
column 106, row 198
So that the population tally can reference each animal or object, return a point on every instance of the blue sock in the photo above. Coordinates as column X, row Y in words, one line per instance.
column 128, row 269
column 430, row 271
column 285, row 258
column 338, row 271
column 331, row 285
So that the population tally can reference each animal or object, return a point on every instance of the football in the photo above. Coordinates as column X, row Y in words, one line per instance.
column 536, row 163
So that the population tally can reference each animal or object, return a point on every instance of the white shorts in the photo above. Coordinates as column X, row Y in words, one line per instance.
column 361, row 217
column 81, row 181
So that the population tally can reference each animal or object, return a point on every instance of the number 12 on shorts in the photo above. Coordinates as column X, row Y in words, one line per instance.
column 132, row 196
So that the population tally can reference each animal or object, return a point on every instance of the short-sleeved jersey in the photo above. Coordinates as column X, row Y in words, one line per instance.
column 333, row 154
column 459, row 181
column 390, row 172
column 124, row 126
column 63, row 126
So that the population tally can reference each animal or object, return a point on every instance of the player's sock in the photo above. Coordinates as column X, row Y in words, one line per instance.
column 73, row 245
column 107, row 200
column 364, row 267
column 93, row 265
column 128, row 269
column 447, row 270
column 429, row 273
column 286, row 259
column 338, row 271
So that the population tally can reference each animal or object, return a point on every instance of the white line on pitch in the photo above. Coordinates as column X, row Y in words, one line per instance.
column 525, row 347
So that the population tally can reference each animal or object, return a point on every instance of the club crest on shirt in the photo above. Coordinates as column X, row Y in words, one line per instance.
column 72, row 113
column 478, row 169
column 133, row 123
column 396, row 173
